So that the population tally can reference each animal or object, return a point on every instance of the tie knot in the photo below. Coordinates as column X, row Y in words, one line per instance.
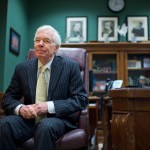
column 43, row 68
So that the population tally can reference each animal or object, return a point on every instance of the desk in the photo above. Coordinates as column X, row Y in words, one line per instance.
column 130, row 118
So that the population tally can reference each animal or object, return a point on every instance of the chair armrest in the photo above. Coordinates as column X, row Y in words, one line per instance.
column 2, row 113
column 84, row 120
column 1, row 110
column 72, row 139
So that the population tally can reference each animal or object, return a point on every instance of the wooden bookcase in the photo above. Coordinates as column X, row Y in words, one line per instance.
column 125, row 61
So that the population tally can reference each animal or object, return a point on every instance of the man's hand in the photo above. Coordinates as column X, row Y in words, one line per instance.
column 27, row 112
column 34, row 110
column 40, row 108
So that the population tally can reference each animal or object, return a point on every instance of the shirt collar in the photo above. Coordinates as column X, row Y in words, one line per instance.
column 48, row 65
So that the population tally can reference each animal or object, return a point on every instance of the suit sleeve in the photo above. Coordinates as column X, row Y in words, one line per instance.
column 12, row 94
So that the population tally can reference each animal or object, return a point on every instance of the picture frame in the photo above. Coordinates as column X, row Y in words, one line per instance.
column 14, row 42
column 107, row 29
column 146, row 62
column 134, row 64
column 137, row 28
column 76, row 29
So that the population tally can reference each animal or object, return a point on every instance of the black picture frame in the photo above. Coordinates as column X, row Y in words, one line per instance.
column 14, row 42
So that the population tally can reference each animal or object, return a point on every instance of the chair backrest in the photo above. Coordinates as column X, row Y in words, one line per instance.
column 77, row 54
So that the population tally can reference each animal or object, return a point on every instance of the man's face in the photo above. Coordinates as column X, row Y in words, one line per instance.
column 77, row 27
column 107, row 25
column 44, row 46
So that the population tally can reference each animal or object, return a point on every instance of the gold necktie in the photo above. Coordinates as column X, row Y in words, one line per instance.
column 41, row 90
column 41, row 86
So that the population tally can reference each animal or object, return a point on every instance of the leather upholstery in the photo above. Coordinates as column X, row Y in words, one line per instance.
column 77, row 138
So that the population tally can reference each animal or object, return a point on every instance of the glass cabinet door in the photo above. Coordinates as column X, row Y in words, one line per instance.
column 104, row 68
column 139, row 70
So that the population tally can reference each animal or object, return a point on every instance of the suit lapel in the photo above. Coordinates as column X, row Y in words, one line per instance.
column 56, row 70
column 32, row 74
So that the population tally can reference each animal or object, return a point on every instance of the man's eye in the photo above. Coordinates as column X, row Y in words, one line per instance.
column 46, row 41
column 37, row 40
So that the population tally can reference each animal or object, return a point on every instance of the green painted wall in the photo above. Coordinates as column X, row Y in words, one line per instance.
column 3, row 12
column 16, row 17
column 55, row 13
column 26, row 15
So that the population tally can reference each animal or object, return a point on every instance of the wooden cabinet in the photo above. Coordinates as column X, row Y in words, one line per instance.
column 138, row 71
column 126, row 61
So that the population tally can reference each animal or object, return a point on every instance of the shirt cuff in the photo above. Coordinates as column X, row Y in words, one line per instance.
column 16, row 112
column 51, row 108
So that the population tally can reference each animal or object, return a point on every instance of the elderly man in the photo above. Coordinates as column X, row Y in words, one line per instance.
column 52, row 89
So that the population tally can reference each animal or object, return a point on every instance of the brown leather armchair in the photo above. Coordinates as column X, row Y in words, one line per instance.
column 77, row 138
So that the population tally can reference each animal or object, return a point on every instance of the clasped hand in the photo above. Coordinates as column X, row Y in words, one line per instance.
column 33, row 110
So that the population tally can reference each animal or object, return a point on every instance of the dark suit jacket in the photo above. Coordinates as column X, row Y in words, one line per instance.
column 65, row 88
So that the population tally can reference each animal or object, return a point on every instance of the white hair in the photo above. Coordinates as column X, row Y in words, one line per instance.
column 56, row 37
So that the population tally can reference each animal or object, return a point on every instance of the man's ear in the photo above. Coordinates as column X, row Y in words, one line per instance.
column 57, row 47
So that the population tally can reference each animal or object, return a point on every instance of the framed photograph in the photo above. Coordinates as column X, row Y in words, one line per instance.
column 14, row 42
column 76, row 28
column 137, row 28
column 146, row 62
column 107, row 29
column 134, row 64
